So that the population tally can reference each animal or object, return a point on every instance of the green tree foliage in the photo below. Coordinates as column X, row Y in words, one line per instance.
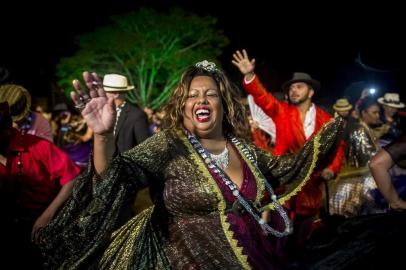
column 148, row 47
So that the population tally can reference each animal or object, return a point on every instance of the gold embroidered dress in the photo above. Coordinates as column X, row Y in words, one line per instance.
column 188, row 228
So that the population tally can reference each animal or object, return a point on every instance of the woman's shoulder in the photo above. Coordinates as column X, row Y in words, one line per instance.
column 166, row 134
column 165, row 137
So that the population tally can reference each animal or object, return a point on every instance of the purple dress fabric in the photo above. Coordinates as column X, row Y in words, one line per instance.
column 256, row 244
column 79, row 153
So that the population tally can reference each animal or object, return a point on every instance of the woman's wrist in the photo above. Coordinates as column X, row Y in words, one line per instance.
column 105, row 137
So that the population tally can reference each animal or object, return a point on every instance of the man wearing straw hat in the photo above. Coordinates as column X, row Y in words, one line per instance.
column 131, row 126
column 27, row 121
column 296, row 122
column 390, row 117
column 342, row 107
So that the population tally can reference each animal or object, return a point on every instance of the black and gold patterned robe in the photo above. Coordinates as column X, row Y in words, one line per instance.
column 187, row 227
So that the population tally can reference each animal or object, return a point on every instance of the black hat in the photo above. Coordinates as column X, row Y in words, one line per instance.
column 301, row 77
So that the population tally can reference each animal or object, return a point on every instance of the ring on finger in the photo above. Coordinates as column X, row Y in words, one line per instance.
column 80, row 106
column 85, row 98
column 95, row 84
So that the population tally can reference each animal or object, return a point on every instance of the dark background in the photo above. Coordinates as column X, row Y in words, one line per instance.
column 323, row 40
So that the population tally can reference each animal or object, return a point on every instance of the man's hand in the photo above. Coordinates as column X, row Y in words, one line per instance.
column 244, row 64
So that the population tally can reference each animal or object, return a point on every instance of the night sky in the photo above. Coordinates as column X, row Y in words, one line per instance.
column 283, row 38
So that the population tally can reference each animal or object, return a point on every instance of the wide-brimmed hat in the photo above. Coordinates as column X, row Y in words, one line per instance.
column 342, row 105
column 301, row 77
column 18, row 98
column 391, row 100
column 116, row 83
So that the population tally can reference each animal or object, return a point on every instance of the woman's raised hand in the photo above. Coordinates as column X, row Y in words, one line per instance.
column 96, row 108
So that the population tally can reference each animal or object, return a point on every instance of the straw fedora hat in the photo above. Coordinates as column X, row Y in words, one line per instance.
column 391, row 100
column 301, row 77
column 116, row 83
column 18, row 98
column 342, row 105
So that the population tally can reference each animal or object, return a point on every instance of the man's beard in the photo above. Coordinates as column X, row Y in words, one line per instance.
column 300, row 101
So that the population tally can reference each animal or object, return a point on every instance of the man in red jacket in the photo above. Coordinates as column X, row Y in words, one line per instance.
column 296, row 122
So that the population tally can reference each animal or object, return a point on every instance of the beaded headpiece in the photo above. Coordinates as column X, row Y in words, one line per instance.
column 206, row 65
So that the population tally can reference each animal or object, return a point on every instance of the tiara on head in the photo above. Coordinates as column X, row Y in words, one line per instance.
column 206, row 65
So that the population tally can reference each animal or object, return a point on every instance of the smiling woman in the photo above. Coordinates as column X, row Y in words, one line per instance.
column 201, row 88
column 206, row 180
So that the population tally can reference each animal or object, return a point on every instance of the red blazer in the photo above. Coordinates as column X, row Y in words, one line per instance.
column 290, row 138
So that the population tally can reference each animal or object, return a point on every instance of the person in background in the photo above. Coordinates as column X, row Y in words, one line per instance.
column 296, row 121
column 352, row 192
column 390, row 117
column 35, row 181
column 380, row 165
column 72, row 134
column 25, row 120
column 342, row 107
column 130, row 127
column 131, row 124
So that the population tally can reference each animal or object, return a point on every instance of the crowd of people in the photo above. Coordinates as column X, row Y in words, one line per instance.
column 198, row 184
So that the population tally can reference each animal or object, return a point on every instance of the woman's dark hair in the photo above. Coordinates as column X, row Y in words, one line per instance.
column 366, row 103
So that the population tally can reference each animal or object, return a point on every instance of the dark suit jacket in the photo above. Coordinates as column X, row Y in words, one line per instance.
column 132, row 127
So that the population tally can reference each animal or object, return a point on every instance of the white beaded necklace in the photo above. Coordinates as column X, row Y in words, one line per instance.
column 221, row 159
column 244, row 203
